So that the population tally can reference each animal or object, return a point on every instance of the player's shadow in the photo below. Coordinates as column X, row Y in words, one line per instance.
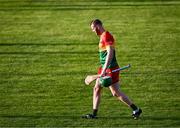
column 144, row 118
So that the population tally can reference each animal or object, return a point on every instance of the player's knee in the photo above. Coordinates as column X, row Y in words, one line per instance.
column 118, row 95
column 97, row 89
column 114, row 94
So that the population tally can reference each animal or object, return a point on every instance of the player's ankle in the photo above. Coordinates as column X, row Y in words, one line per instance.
column 95, row 112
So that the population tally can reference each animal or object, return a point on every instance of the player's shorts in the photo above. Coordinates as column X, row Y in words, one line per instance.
column 113, row 75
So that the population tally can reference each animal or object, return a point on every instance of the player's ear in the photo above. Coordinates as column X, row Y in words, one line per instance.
column 98, row 27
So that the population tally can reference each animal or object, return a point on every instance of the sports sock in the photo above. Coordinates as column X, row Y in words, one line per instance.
column 95, row 112
column 134, row 107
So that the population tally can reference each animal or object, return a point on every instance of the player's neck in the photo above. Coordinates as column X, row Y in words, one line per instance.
column 102, row 30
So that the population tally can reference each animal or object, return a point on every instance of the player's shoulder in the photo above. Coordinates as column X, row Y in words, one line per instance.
column 108, row 34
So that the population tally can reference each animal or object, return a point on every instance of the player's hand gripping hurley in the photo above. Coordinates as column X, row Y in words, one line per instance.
column 90, row 78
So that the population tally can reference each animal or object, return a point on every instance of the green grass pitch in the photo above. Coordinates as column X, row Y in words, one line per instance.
column 47, row 49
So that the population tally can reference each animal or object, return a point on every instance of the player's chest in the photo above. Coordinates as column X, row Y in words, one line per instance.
column 102, row 46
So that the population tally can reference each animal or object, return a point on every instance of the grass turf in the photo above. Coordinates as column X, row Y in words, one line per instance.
column 47, row 49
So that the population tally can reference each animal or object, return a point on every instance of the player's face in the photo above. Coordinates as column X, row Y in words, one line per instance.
column 95, row 29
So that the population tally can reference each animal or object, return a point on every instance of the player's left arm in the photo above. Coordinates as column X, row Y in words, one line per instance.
column 110, row 54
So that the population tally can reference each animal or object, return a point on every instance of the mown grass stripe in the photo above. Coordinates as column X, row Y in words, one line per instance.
column 47, row 49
